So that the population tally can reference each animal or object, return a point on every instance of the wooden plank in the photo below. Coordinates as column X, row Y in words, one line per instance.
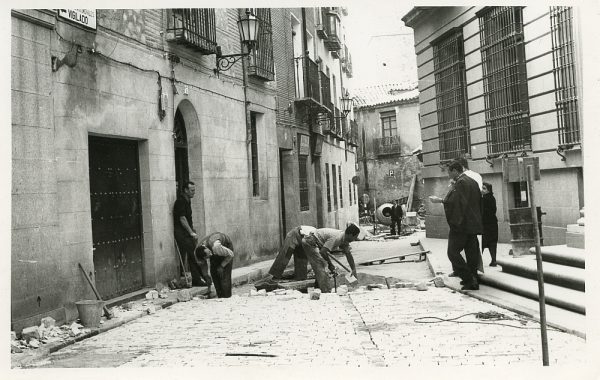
column 401, row 257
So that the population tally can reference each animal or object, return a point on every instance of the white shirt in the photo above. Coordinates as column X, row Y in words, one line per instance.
column 476, row 177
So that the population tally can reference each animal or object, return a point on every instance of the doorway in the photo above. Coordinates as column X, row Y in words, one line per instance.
column 116, row 215
column 182, row 170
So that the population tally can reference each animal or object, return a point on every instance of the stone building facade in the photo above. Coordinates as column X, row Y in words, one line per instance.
column 107, row 119
column 389, row 143
column 316, row 144
column 498, row 84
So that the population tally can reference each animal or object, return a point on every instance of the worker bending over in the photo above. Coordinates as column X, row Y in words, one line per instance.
column 219, row 248
column 319, row 244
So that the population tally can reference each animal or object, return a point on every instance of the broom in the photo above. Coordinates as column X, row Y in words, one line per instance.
column 188, row 275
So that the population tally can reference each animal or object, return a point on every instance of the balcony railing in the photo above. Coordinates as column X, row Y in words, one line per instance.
column 387, row 145
column 353, row 133
column 307, row 79
column 326, row 91
column 327, row 123
column 195, row 28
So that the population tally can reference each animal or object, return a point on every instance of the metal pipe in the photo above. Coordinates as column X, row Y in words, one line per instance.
column 540, row 272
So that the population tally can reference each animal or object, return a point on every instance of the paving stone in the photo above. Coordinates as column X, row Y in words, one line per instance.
column 32, row 332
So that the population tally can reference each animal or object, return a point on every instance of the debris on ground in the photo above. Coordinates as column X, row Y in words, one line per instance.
column 32, row 332
column 48, row 322
column 152, row 294
column 315, row 294
column 184, row 295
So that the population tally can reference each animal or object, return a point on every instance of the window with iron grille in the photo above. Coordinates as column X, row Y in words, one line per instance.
column 328, row 187
column 261, row 59
column 254, row 151
column 303, row 177
column 504, row 80
column 388, row 124
column 561, row 19
column 450, row 95
column 350, row 191
column 335, row 186
column 195, row 27
column 341, row 186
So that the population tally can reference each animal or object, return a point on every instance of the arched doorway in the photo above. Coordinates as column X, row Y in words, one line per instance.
column 182, row 171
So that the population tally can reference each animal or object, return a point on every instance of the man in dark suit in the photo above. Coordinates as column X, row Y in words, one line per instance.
column 396, row 216
column 462, row 207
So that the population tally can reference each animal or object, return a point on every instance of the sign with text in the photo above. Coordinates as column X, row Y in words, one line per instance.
column 85, row 17
column 304, row 145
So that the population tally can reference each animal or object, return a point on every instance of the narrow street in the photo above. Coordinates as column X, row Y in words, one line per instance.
column 379, row 327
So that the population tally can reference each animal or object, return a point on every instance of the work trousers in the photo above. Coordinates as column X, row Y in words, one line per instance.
column 395, row 223
column 457, row 241
column 310, row 246
column 198, row 267
column 222, row 281
column 292, row 245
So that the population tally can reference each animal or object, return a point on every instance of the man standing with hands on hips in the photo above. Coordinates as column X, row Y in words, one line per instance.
column 462, row 206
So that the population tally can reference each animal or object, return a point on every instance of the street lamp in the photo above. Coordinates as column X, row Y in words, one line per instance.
column 248, row 28
column 347, row 103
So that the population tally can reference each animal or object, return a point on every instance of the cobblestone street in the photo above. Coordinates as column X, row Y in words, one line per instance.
column 369, row 328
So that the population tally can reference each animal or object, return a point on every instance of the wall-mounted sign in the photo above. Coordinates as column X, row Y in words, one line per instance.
column 85, row 17
column 304, row 145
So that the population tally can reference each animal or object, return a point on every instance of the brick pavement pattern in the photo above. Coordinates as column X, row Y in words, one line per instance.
column 370, row 328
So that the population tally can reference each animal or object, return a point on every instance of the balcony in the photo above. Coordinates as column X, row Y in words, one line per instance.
column 333, row 43
column 387, row 145
column 327, row 123
column 326, row 91
column 322, row 25
column 307, row 79
column 194, row 28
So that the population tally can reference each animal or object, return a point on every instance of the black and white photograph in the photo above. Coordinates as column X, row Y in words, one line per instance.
column 357, row 187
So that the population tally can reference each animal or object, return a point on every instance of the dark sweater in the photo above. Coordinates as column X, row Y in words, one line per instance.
column 488, row 209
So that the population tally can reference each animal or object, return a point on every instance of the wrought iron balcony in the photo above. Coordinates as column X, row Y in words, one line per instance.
column 260, row 60
column 353, row 133
column 326, row 91
column 307, row 79
column 387, row 145
column 195, row 28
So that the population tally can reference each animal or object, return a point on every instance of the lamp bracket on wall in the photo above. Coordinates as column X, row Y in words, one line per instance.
column 224, row 62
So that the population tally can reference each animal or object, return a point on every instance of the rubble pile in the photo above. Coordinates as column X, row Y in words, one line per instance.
column 46, row 332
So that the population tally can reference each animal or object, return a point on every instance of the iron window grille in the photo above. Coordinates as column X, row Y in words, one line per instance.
column 561, row 19
column 335, row 196
column 350, row 191
column 341, row 186
column 254, row 152
column 195, row 27
column 504, row 80
column 328, row 187
column 303, row 182
column 260, row 60
column 450, row 95
column 388, row 124
column 308, row 70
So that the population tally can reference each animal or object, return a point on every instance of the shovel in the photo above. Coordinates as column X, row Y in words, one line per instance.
column 351, row 279
column 106, row 311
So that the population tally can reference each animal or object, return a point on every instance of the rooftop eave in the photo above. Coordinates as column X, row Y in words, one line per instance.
column 414, row 16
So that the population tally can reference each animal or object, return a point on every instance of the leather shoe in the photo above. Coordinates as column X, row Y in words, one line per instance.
column 493, row 264
column 471, row 286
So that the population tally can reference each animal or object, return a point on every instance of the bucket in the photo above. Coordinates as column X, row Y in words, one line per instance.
column 90, row 312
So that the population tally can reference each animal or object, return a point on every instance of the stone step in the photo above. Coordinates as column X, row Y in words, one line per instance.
column 561, row 275
column 563, row 255
column 558, row 296
column 566, row 320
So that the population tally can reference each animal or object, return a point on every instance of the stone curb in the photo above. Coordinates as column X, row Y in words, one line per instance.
column 53, row 347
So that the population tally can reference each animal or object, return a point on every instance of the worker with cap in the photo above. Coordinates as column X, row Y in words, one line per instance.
column 219, row 248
